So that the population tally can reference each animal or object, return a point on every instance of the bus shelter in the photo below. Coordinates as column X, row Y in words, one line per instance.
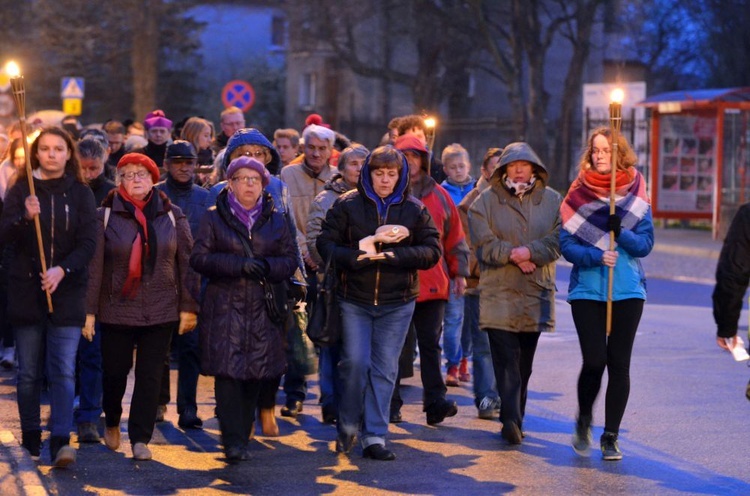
column 700, row 165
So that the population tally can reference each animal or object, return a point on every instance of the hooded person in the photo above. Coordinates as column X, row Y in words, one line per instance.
column 515, row 225
column 435, row 284
column 376, row 292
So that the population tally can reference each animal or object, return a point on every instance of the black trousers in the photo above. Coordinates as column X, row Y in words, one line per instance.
column 512, row 359
column 428, row 324
column 236, row 402
column 601, row 352
column 118, row 343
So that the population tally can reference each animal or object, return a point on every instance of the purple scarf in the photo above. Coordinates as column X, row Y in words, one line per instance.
column 244, row 215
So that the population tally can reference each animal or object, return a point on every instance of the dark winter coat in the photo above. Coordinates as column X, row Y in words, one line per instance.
column 101, row 186
column 191, row 198
column 163, row 294
column 238, row 339
column 355, row 216
column 732, row 275
column 68, row 225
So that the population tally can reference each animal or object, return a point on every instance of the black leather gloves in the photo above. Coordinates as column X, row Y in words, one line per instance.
column 614, row 224
column 255, row 268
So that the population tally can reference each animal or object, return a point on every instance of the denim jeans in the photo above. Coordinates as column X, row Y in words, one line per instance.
column 453, row 323
column 328, row 375
column 370, row 347
column 188, row 370
column 57, row 346
column 484, row 373
column 90, row 378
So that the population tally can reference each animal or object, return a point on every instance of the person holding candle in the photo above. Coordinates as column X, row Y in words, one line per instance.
column 584, row 241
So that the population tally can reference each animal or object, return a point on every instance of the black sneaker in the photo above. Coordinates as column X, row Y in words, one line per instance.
column 378, row 452
column 329, row 414
column 395, row 417
column 88, row 433
column 610, row 449
column 439, row 410
column 582, row 436
column 291, row 409
column 189, row 419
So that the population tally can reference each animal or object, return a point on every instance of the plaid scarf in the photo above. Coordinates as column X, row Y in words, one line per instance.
column 585, row 209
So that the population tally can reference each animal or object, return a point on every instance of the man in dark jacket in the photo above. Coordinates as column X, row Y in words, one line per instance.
column 180, row 161
column 732, row 277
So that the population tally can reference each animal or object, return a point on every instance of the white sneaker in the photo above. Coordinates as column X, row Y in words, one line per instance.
column 8, row 359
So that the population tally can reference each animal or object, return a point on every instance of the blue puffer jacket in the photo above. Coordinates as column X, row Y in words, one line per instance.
column 589, row 277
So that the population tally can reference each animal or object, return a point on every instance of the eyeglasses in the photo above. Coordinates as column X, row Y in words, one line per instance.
column 605, row 151
column 256, row 154
column 251, row 180
column 129, row 176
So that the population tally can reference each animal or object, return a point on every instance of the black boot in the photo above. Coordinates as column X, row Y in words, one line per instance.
column 60, row 452
column 32, row 441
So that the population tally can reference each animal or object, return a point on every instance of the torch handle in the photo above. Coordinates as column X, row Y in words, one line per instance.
column 612, row 186
column 37, row 224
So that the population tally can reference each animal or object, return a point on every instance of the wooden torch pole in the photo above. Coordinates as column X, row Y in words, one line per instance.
column 615, row 124
column 19, row 97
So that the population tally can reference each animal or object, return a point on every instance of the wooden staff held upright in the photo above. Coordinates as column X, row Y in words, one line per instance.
column 19, row 97
column 615, row 123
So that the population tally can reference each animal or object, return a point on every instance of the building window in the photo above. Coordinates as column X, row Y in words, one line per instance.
column 308, row 90
column 278, row 31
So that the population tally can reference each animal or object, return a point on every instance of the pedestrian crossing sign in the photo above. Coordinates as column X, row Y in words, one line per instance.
column 71, row 87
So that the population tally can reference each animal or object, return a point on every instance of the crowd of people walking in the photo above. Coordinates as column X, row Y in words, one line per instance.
column 167, row 242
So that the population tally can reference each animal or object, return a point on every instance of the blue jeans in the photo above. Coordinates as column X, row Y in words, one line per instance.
column 453, row 323
column 90, row 379
column 484, row 372
column 56, row 346
column 328, row 375
column 370, row 347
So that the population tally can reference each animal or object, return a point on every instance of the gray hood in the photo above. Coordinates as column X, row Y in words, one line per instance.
column 520, row 151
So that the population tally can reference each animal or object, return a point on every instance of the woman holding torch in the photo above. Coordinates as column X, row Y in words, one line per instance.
column 584, row 241
column 65, row 207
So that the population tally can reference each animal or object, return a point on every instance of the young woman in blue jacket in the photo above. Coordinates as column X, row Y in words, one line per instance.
column 584, row 241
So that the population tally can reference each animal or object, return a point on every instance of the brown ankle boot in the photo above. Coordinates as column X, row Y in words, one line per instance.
column 112, row 437
column 268, row 422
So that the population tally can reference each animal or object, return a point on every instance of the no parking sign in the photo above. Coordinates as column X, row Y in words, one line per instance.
column 239, row 94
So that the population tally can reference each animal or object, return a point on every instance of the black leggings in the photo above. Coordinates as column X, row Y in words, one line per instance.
column 600, row 352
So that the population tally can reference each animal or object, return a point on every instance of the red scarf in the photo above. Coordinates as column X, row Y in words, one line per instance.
column 135, row 265
column 601, row 182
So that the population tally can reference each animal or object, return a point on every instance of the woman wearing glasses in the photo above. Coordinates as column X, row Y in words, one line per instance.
column 243, row 243
column 140, row 289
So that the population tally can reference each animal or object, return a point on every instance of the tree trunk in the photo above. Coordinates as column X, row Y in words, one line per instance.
column 585, row 19
column 144, row 59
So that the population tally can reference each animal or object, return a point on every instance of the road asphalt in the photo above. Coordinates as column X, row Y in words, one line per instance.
column 683, row 434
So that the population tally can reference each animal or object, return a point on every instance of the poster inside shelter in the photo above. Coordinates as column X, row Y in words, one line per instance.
column 687, row 160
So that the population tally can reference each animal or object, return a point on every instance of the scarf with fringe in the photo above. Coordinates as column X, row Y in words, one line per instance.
column 585, row 209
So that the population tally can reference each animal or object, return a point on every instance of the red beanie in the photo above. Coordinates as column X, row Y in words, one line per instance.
column 317, row 120
column 140, row 159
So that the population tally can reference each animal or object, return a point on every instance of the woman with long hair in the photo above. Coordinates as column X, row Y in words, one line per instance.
column 584, row 241
column 65, row 207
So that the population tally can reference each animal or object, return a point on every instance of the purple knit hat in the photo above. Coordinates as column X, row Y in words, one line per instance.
column 156, row 118
column 245, row 162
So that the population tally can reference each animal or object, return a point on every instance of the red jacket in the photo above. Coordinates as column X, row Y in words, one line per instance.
column 434, row 283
